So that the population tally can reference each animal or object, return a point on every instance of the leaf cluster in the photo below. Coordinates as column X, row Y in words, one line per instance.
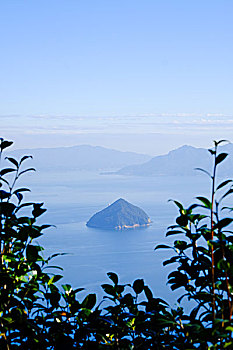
column 38, row 312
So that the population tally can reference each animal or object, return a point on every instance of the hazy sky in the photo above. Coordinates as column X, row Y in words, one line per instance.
column 116, row 67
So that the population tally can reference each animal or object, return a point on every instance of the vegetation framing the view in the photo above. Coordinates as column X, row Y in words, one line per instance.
column 36, row 313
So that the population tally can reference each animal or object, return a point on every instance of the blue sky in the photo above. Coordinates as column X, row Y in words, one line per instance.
column 72, row 59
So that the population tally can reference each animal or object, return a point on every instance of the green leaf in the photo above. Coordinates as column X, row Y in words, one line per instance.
column 67, row 288
column 54, row 279
column 205, row 201
column 179, row 205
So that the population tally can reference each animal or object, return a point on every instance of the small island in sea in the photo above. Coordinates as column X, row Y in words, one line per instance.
column 119, row 215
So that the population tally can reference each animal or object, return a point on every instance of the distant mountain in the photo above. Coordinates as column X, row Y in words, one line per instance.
column 181, row 161
column 119, row 215
column 83, row 157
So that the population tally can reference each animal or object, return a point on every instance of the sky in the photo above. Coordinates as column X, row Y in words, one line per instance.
column 129, row 74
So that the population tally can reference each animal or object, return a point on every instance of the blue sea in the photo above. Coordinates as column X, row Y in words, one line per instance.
column 71, row 198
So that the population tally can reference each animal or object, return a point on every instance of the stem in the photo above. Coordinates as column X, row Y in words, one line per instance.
column 212, row 235
column 226, row 274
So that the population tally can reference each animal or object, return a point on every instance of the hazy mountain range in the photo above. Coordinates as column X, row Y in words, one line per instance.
column 83, row 157
column 181, row 161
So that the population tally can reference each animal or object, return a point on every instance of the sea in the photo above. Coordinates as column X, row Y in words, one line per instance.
column 72, row 197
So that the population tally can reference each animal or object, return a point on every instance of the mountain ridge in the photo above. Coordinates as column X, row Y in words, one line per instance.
column 181, row 161
column 80, row 157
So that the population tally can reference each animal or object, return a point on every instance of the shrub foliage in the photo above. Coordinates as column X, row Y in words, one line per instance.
column 35, row 313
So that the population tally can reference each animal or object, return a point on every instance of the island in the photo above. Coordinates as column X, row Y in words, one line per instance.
column 118, row 216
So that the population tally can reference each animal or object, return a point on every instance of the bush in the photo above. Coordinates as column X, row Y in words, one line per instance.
column 36, row 314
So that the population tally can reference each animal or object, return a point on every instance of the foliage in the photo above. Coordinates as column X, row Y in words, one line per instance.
column 204, row 256
column 35, row 313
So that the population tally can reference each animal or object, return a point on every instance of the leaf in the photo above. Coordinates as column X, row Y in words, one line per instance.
column 230, row 191
column 173, row 232
column 222, row 223
column 204, row 171
column 23, row 205
column 4, row 194
column 162, row 246
column 77, row 290
column 205, row 201
column 182, row 220
column 171, row 261
column 25, row 171
column 148, row 293
column 24, row 158
column 138, row 286
column 220, row 158
column 37, row 210
column 109, row 289
column 179, row 205
column 113, row 276
column 32, row 253
column 6, row 171
column 23, row 189
column 5, row 144
column 55, row 255
column 54, row 279
column 221, row 141
column 7, row 208
column 67, row 288
column 19, row 196
column 212, row 151
column 222, row 184
column 192, row 206
column 13, row 161
column 89, row 302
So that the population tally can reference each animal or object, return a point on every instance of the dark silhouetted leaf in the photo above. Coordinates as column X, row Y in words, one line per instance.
column 138, row 286
column 222, row 184
column 13, row 161
column 113, row 276
column 221, row 158
column 89, row 302
column 5, row 144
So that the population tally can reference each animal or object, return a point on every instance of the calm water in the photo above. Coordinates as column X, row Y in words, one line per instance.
column 72, row 198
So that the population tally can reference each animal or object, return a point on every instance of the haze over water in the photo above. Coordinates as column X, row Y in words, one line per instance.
column 73, row 197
